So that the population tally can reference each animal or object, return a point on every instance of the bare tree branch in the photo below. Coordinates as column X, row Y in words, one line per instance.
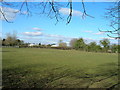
column 113, row 15
column 84, row 12
column 22, row 6
column 70, row 14
column 54, row 10
column 49, row 7
column 113, row 36
column 3, row 14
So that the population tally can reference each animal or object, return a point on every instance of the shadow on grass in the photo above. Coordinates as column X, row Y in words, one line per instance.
column 106, row 72
column 26, row 78
column 7, row 51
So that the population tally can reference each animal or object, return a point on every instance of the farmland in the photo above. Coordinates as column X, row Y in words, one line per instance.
column 51, row 68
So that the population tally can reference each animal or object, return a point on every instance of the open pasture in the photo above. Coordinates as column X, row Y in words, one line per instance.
column 51, row 68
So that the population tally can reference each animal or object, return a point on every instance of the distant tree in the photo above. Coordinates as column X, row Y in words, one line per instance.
column 49, row 45
column 62, row 44
column 0, row 41
column 114, row 48
column 3, row 42
column 87, row 48
column 53, row 44
column 72, row 42
column 105, row 43
column 19, row 42
column 39, row 44
column 60, row 41
column 92, row 46
column 80, row 44
column 118, row 48
column 98, row 48
column 10, row 39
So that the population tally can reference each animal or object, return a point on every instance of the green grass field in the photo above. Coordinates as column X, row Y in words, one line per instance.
column 51, row 68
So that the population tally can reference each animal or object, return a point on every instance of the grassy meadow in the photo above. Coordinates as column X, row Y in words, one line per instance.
column 52, row 68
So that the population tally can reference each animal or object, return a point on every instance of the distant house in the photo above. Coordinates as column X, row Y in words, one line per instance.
column 54, row 45
column 31, row 44
column 109, row 51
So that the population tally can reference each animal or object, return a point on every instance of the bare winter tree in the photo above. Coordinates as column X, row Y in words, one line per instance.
column 49, row 8
column 113, row 13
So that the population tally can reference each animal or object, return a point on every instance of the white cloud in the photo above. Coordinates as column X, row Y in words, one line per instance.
column 24, row 12
column 58, row 37
column 99, row 33
column 107, row 38
column 66, row 11
column 53, row 35
column 9, row 13
column 29, row 38
column 36, row 28
column 89, row 39
column 32, row 33
column 88, row 31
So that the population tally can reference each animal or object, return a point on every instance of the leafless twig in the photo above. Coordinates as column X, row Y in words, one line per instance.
column 3, row 14
column 84, row 11
column 70, row 14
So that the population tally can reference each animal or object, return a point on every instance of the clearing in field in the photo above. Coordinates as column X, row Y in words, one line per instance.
column 50, row 68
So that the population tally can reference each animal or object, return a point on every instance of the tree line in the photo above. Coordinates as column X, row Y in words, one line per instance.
column 77, row 44
column 104, row 46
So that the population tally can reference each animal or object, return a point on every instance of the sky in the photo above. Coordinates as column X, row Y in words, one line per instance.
column 41, row 29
